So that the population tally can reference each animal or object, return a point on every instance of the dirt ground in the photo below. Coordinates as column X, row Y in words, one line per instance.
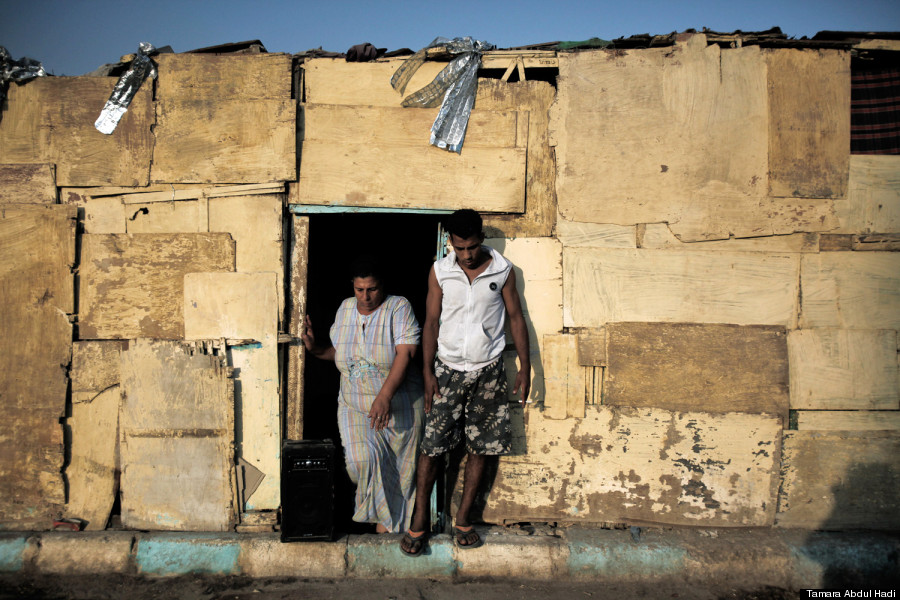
column 244, row 588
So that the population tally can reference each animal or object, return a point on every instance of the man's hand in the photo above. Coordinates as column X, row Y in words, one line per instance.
column 431, row 390
column 523, row 383
column 308, row 337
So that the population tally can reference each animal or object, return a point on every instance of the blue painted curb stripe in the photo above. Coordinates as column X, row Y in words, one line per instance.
column 387, row 560
column 637, row 560
column 176, row 555
column 12, row 555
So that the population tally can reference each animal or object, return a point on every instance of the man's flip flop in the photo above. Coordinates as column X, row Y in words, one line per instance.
column 417, row 542
column 461, row 535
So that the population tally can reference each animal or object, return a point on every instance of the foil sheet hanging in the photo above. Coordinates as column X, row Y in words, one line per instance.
column 18, row 71
column 454, row 88
column 127, row 86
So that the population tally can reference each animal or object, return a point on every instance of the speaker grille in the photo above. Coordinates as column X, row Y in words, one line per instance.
column 307, row 490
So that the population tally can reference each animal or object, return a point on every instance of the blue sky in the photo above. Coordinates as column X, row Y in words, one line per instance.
column 72, row 37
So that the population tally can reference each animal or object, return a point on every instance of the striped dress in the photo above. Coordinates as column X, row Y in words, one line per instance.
column 382, row 463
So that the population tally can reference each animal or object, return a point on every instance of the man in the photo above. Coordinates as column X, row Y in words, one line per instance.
column 470, row 292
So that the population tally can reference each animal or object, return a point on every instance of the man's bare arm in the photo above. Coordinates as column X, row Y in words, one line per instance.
column 520, row 335
column 430, row 332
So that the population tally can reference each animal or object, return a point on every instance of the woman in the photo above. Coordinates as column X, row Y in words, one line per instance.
column 380, row 410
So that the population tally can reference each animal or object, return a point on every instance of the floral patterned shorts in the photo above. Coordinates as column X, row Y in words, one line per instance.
column 478, row 396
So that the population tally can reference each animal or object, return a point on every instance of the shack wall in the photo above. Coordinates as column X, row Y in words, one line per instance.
column 708, row 277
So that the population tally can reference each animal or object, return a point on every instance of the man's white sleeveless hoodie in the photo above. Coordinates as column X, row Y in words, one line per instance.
column 472, row 315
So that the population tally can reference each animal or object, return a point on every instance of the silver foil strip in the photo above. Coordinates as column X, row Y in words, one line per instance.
column 18, row 71
column 454, row 88
column 127, row 86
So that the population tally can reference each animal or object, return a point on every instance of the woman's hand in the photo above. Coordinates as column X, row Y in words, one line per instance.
column 380, row 413
column 308, row 337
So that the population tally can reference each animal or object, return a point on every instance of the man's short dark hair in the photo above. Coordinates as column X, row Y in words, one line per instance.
column 366, row 266
column 464, row 223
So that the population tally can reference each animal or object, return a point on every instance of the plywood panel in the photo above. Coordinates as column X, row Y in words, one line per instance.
column 31, row 184
column 564, row 377
column 642, row 465
column 872, row 204
column 255, row 224
column 848, row 420
column 177, row 436
column 596, row 235
column 844, row 369
column 249, row 76
column 165, row 217
column 97, row 215
column 489, row 180
column 744, row 288
column 809, row 122
column 225, row 141
column 840, row 480
column 396, row 126
column 851, row 290
column 535, row 97
column 693, row 367
column 244, row 306
column 660, row 236
column 663, row 135
column 132, row 285
column 95, row 368
column 91, row 472
column 227, row 119
column 336, row 81
column 37, row 253
column 58, row 127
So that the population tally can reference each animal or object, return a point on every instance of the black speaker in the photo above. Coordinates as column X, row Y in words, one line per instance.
column 307, row 490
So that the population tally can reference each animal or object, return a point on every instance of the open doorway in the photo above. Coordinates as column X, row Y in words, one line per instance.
column 405, row 245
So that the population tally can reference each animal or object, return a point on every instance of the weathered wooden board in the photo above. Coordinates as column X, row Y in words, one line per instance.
column 745, row 288
column 848, row 420
column 688, row 367
column 538, row 268
column 809, row 122
column 256, row 226
column 51, row 120
column 397, row 126
column 95, row 368
column 535, row 97
column 165, row 217
column 244, row 306
column 834, row 369
column 596, row 235
column 663, row 135
column 91, row 472
column 132, row 285
column 872, row 204
column 296, row 351
column 227, row 119
column 212, row 76
column 566, row 381
column 37, row 253
column 488, row 180
column 658, row 235
column 96, row 215
column 642, row 465
column 96, row 395
column 336, row 81
column 27, row 183
column 851, row 290
column 505, row 116
column 177, row 436
column 840, row 480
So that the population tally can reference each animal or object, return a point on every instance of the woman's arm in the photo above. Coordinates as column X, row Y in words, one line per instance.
column 380, row 413
column 309, row 340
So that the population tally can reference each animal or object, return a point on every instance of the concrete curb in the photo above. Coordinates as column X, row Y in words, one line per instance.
column 790, row 559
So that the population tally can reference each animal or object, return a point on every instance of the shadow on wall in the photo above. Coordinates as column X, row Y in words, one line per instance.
column 864, row 553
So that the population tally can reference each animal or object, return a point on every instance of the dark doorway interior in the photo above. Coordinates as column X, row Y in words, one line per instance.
column 405, row 244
